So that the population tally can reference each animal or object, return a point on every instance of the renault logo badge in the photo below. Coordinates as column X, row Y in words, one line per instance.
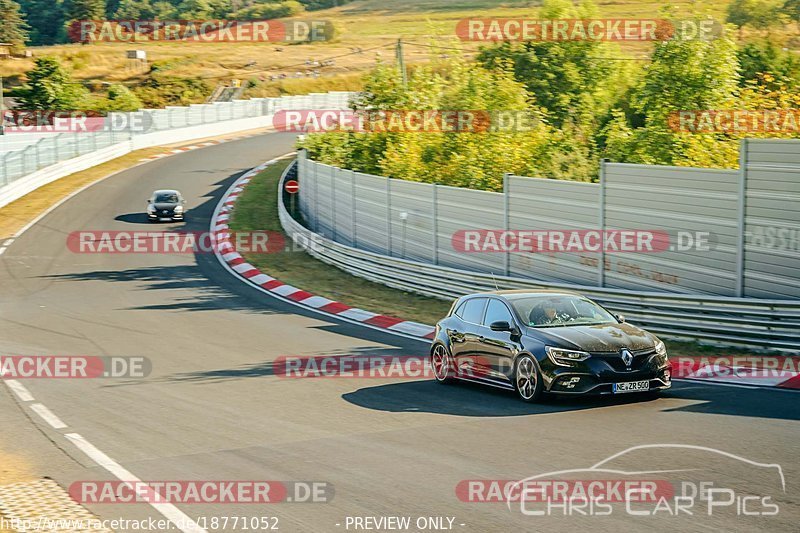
column 627, row 357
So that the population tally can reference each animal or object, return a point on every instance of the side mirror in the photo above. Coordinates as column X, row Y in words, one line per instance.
column 149, row 201
column 621, row 318
column 500, row 325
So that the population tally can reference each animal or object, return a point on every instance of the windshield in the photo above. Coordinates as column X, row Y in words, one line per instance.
column 543, row 311
column 167, row 198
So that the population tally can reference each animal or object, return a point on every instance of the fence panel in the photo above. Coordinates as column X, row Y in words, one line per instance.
column 412, row 223
column 466, row 209
column 344, row 213
column 684, row 203
column 542, row 204
column 772, row 219
column 372, row 213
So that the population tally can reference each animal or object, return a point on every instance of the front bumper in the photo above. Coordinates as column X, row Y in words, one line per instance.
column 598, row 374
column 163, row 217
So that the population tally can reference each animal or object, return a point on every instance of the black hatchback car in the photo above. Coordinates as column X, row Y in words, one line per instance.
column 166, row 205
column 546, row 341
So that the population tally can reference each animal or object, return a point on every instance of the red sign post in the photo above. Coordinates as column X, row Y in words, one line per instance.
column 292, row 187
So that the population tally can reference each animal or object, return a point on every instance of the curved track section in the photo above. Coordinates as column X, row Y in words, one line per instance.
column 213, row 408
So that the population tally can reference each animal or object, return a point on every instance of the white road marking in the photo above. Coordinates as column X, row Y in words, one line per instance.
column 285, row 290
column 48, row 416
column 244, row 267
column 169, row 511
column 413, row 328
column 315, row 301
column 261, row 278
column 19, row 390
column 359, row 315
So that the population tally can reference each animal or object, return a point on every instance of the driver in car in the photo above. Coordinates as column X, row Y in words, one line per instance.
column 548, row 314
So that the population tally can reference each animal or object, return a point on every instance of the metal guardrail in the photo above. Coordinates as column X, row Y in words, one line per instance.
column 32, row 152
column 766, row 324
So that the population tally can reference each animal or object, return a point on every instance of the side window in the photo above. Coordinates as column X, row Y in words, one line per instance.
column 460, row 311
column 497, row 311
column 473, row 310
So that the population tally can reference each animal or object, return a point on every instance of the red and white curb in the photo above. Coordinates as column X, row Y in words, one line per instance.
column 206, row 144
column 236, row 264
column 239, row 267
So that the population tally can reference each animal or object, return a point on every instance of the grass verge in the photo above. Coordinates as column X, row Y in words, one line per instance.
column 257, row 210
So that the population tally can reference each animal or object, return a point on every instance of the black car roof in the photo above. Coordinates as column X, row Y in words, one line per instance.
column 518, row 293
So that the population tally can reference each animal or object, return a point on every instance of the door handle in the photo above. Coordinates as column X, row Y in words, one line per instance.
column 481, row 338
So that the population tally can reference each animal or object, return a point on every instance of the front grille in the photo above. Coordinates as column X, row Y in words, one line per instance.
column 614, row 360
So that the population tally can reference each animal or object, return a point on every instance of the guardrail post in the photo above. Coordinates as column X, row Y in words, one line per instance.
column 506, row 220
column 601, row 272
column 56, row 151
column 389, row 216
column 4, row 169
column 334, row 171
column 354, row 212
column 316, row 198
column 435, row 224
column 742, row 206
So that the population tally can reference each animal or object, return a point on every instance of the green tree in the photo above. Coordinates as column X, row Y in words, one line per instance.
column 120, row 98
column 764, row 57
column 194, row 9
column 759, row 14
column 572, row 80
column 465, row 159
column 50, row 86
column 13, row 29
column 85, row 10
column 791, row 8
column 163, row 10
column 684, row 75
column 46, row 20
column 133, row 9
column 269, row 10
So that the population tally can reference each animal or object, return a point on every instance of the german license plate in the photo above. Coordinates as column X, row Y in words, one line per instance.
column 631, row 386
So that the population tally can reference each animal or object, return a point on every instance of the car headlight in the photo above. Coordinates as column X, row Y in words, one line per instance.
column 151, row 208
column 661, row 348
column 179, row 209
column 563, row 357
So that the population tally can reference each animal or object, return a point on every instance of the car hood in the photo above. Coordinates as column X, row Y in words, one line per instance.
column 599, row 338
column 165, row 205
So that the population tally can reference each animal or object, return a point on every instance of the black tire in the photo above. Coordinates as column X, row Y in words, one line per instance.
column 444, row 369
column 527, row 379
